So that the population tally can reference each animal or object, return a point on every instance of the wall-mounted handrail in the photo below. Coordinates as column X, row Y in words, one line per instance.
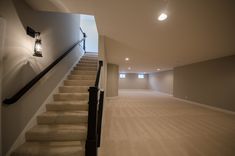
column 29, row 85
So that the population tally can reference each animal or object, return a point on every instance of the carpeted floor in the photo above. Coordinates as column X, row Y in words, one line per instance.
column 145, row 123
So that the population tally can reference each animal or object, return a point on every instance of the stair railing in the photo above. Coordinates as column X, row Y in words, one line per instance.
column 31, row 83
column 83, row 39
column 95, row 111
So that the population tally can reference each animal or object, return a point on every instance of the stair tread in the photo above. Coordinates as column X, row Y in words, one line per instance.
column 64, row 113
column 84, row 68
column 81, row 87
column 74, row 89
column 50, row 148
column 63, row 117
column 57, row 132
column 82, row 64
column 69, row 102
column 71, row 94
column 67, row 106
column 89, row 58
column 57, row 127
column 79, row 80
column 84, row 71
column 83, row 77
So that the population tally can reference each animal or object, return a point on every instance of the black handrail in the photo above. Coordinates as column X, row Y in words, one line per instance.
column 29, row 85
column 84, row 41
column 91, row 141
column 100, row 115
column 94, row 123
column 98, row 74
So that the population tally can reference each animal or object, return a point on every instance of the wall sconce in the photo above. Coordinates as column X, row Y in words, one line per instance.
column 38, row 42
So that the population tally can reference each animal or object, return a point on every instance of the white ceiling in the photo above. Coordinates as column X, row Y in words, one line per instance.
column 196, row 30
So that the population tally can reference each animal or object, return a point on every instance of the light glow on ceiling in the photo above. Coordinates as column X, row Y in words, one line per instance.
column 129, row 68
column 127, row 59
column 162, row 17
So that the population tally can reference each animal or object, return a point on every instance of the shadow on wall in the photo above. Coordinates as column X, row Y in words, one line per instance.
column 25, row 66
column 56, row 6
column 2, row 38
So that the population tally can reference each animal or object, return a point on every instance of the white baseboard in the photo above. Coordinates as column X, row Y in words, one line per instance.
column 206, row 106
column 33, row 121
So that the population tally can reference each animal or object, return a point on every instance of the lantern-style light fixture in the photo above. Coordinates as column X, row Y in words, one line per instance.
column 38, row 45
column 38, row 42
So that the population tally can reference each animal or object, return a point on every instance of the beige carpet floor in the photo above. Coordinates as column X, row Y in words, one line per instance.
column 145, row 123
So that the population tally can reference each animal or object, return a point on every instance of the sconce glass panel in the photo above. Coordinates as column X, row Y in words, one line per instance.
column 38, row 46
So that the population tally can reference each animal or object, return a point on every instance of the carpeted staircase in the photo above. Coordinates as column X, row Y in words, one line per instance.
column 62, row 129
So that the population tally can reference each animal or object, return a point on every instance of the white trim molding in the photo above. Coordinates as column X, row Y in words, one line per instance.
column 206, row 106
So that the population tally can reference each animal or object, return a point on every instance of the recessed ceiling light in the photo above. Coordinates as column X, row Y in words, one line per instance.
column 127, row 59
column 158, row 69
column 129, row 68
column 162, row 17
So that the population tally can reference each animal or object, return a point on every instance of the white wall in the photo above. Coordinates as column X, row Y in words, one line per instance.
column 2, row 35
column 112, row 80
column 59, row 32
column 162, row 81
column 133, row 82
column 102, row 56
column 88, row 25
column 209, row 82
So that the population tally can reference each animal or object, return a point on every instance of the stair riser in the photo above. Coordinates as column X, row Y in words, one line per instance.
column 86, row 68
column 69, row 119
column 66, row 107
column 65, row 135
column 70, row 89
column 82, row 77
column 72, row 152
column 87, row 63
column 89, row 59
column 78, row 83
column 76, row 72
column 90, row 55
column 70, row 97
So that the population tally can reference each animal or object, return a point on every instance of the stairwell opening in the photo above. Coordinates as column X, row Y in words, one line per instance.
column 88, row 25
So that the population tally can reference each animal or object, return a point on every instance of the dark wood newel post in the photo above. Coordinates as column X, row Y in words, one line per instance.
column 91, row 142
